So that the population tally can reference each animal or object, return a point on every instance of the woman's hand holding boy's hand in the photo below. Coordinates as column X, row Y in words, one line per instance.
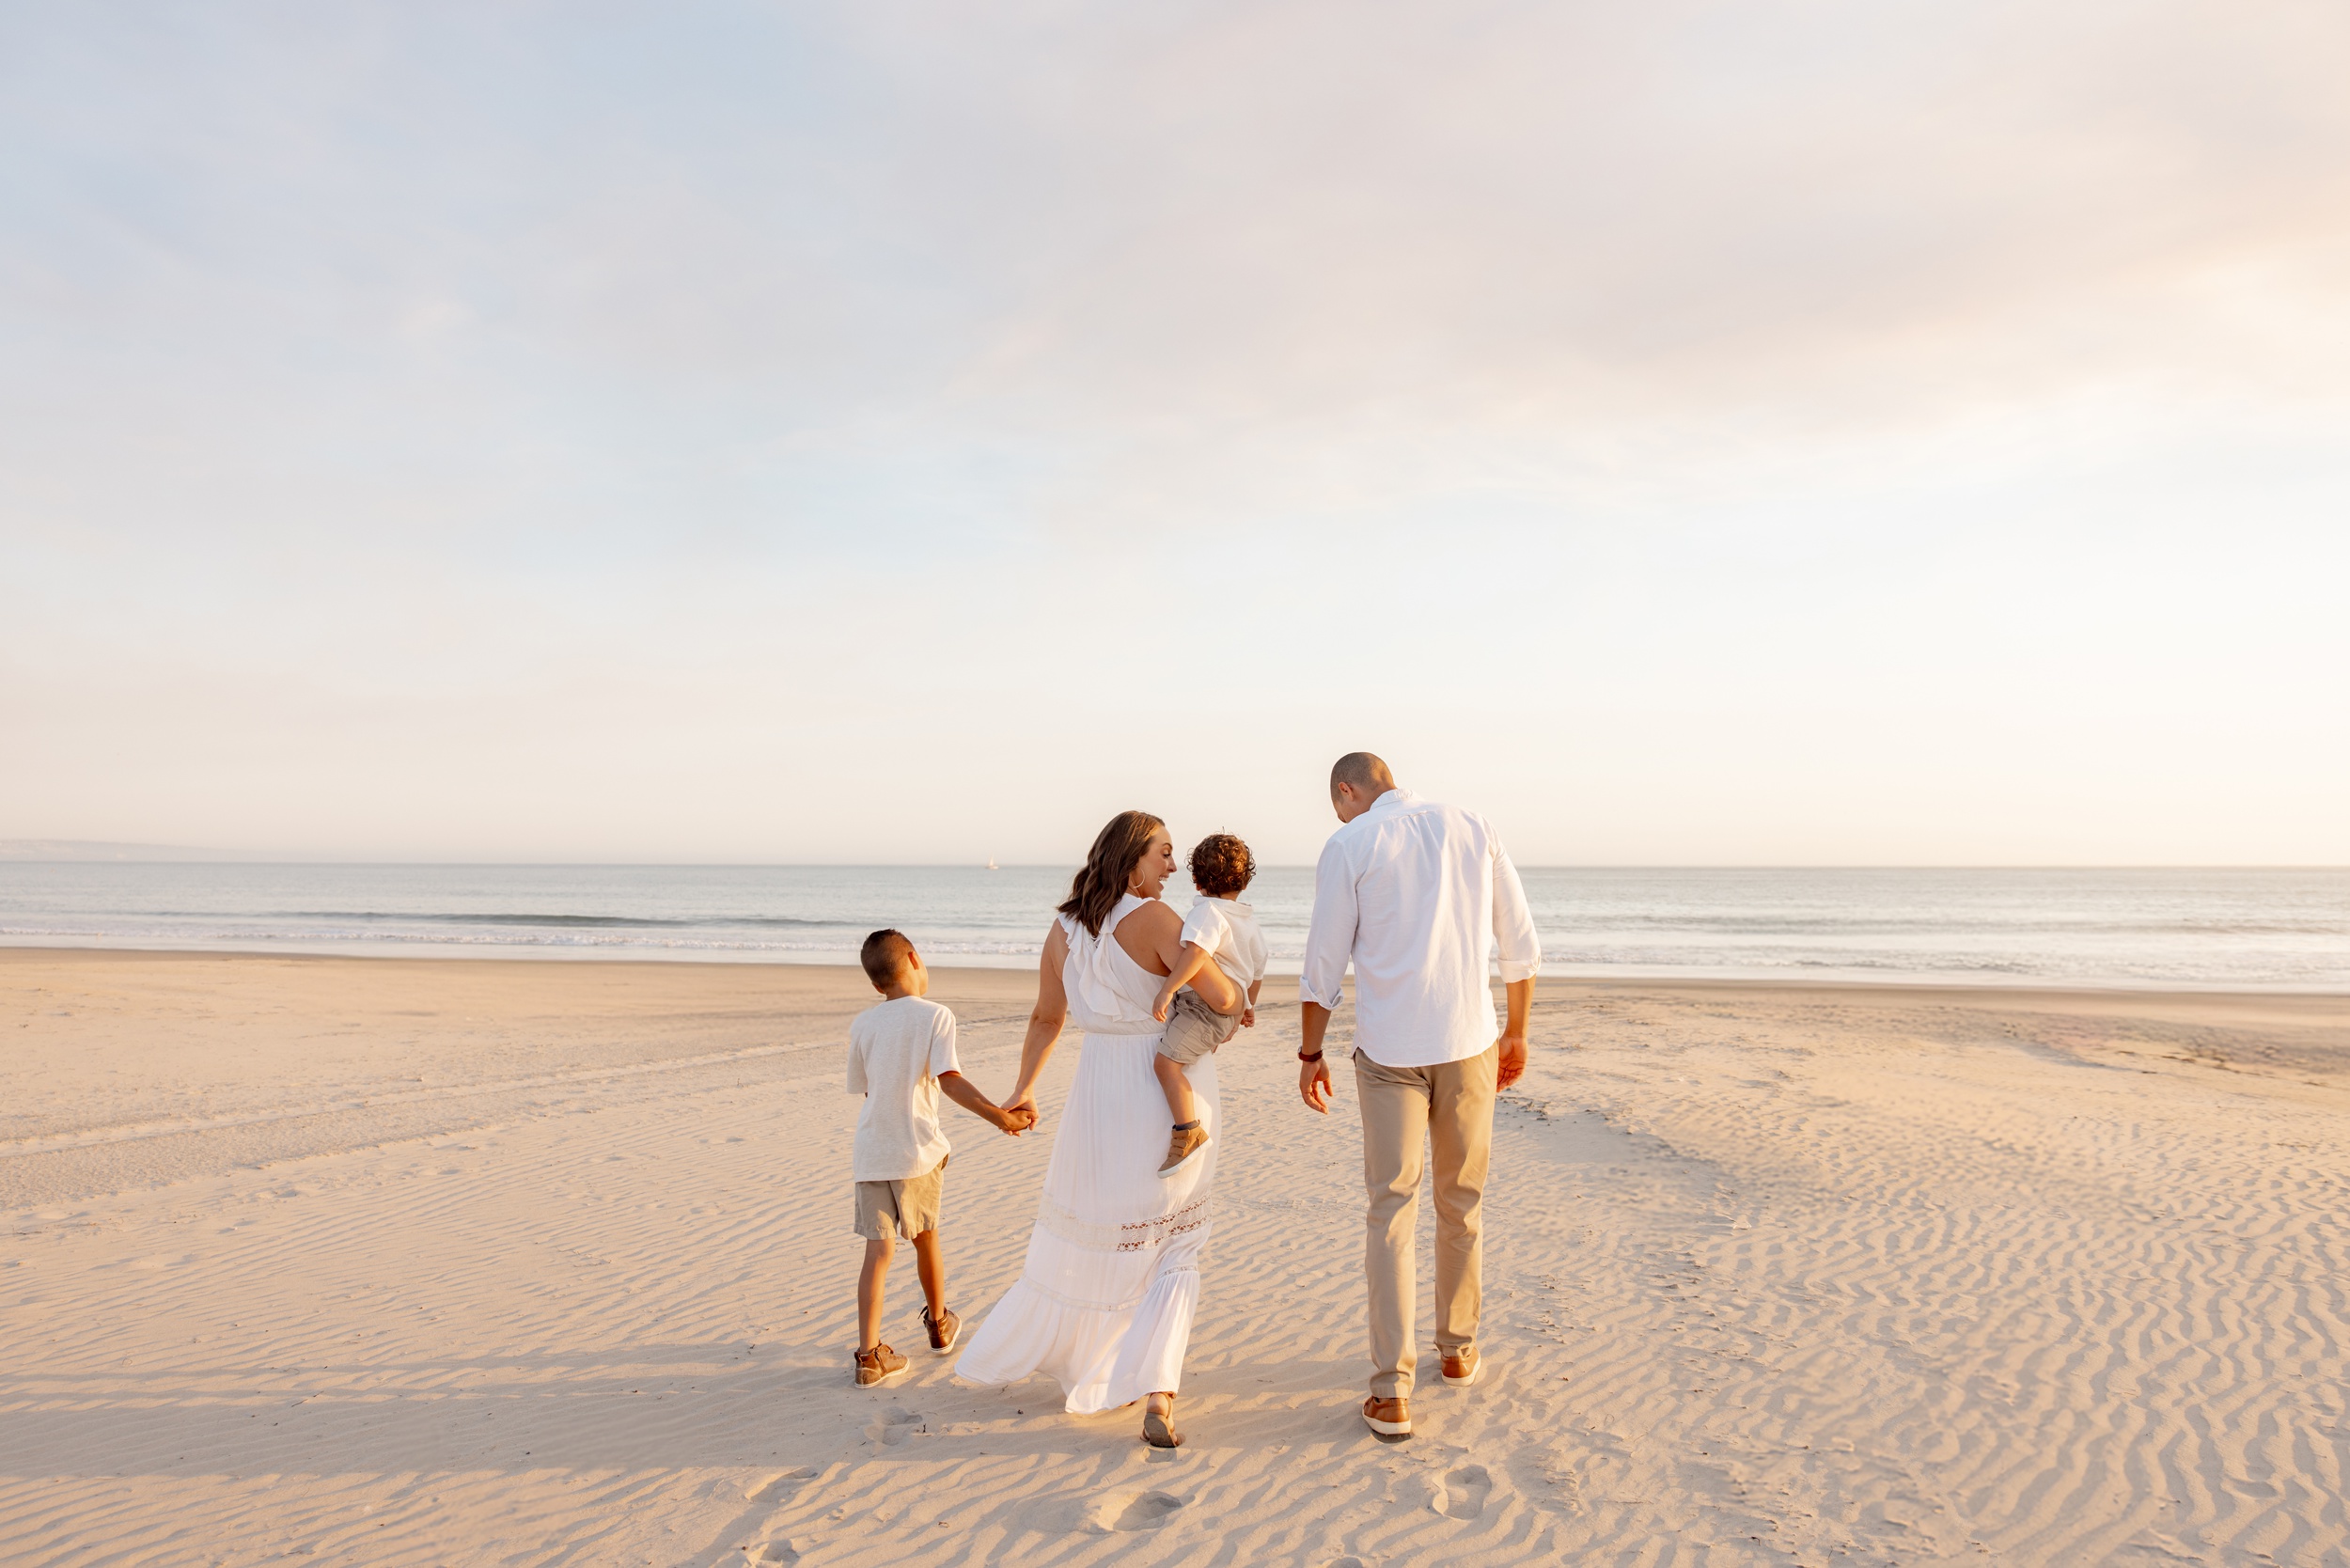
column 1015, row 1119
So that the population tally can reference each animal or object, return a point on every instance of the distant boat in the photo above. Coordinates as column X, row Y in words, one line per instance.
column 991, row 864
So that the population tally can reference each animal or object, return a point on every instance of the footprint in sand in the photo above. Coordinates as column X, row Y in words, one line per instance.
column 778, row 1487
column 1462, row 1494
column 1349, row 1563
column 895, row 1426
column 772, row 1551
column 1129, row 1511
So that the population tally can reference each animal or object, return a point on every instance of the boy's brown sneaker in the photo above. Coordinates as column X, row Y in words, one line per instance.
column 1460, row 1366
column 944, row 1330
column 1185, row 1141
column 878, row 1365
column 1389, row 1420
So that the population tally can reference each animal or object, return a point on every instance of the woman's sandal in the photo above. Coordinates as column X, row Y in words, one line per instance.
column 1158, row 1430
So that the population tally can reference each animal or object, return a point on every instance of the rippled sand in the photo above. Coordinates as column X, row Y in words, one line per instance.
column 489, row 1262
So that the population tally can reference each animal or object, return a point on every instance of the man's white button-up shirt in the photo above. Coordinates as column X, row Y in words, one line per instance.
column 1419, row 897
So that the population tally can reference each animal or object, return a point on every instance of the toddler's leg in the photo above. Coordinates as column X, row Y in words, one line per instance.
column 869, row 1283
column 1176, row 1084
column 1186, row 1137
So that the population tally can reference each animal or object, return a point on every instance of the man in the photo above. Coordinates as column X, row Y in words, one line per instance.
column 1418, row 896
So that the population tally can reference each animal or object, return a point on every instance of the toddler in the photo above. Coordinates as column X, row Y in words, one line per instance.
column 1222, row 928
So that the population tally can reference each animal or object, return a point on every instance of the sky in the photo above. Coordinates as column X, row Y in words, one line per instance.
column 1692, row 433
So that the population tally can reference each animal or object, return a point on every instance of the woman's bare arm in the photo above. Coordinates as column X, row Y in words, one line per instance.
column 1045, row 1020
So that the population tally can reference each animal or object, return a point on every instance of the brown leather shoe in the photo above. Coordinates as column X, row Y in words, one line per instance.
column 1389, row 1420
column 878, row 1365
column 944, row 1330
column 1461, row 1366
column 1182, row 1145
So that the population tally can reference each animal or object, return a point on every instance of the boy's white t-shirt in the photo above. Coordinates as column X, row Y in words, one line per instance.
column 1227, row 928
column 897, row 1050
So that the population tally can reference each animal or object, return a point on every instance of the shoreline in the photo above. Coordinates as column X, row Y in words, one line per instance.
column 1024, row 965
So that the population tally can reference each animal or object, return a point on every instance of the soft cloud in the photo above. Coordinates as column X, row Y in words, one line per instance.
column 1707, row 432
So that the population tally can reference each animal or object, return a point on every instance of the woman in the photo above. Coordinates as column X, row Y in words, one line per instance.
column 1106, row 1302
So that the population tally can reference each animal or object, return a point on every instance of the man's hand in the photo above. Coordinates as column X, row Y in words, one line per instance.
column 1512, row 1040
column 1313, row 1085
column 1512, row 1060
column 1018, row 1120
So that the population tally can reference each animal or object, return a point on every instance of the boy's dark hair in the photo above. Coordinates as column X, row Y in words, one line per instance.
column 1220, row 864
column 884, row 956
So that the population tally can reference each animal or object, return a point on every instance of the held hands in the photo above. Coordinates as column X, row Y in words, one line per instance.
column 1019, row 1114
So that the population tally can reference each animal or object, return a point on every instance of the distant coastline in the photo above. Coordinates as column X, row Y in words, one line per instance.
column 74, row 851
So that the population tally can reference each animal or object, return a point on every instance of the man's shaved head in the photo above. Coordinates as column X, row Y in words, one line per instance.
column 1365, row 772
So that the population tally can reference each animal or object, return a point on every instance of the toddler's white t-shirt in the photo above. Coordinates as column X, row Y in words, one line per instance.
column 1227, row 929
column 897, row 1050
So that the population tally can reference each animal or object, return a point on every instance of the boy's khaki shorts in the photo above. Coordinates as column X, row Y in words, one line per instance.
column 1194, row 1029
column 885, row 1209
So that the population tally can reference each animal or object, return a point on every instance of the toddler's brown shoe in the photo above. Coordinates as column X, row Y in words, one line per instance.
column 1460, row 1366
column 944, row 1330
column 1185, row 1141
column 878, row 1365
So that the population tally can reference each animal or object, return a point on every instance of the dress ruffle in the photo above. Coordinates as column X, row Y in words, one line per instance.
column 1105, row 1300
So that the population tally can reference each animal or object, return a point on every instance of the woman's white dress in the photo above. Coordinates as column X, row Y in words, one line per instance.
column 1106, row 1302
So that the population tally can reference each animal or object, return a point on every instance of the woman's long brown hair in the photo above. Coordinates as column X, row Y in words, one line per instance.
column 1117, row 850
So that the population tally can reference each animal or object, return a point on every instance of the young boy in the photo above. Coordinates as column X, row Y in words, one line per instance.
column 901, row 1058
column 1219, row 927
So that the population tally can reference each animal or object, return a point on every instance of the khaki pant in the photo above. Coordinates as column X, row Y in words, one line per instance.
column 1451, row 1108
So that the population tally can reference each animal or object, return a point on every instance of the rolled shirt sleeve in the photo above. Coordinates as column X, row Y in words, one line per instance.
column 1330, row 937
column 1516, row 944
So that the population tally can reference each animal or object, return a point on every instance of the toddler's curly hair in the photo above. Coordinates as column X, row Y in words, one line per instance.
column 1221, row 864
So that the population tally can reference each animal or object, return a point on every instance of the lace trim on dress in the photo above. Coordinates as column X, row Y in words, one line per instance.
column 1151, row 1233
column 1132, row 1236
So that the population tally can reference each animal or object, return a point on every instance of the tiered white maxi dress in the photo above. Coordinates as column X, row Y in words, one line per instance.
column 1106, row 1302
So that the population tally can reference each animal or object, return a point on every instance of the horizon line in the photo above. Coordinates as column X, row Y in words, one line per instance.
column 198, row 857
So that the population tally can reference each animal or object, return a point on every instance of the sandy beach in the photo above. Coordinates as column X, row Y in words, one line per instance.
column 414, row 1262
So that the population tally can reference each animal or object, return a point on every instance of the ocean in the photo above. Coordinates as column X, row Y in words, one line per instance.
column 2202, row 929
